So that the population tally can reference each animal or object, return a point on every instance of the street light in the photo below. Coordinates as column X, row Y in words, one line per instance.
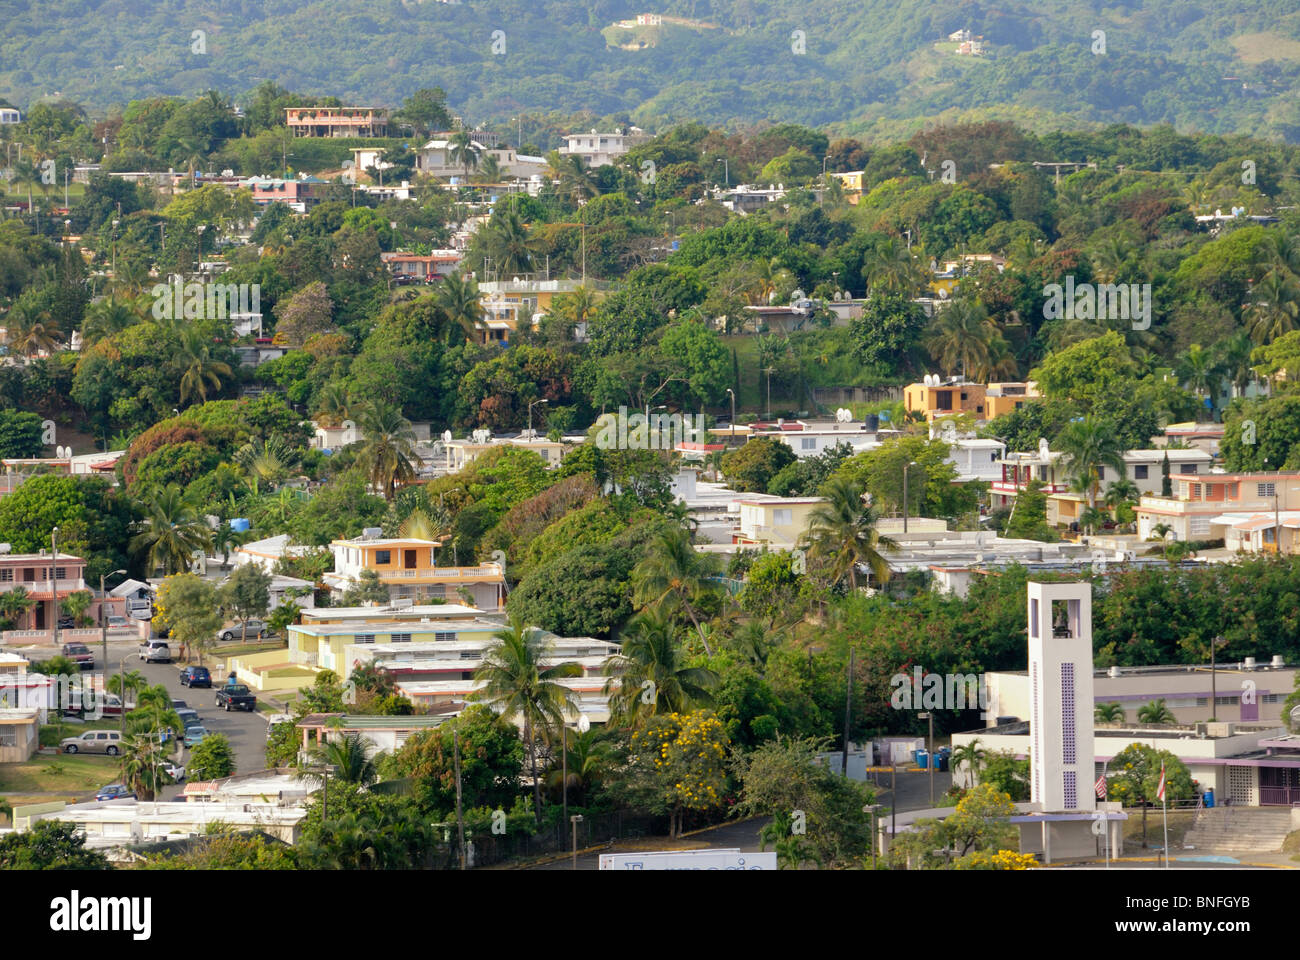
column 929, row 755
column 872, row 808
column 530, row 416
column 733, row 414
column 575, row 820
column 103, row 621
column 912, row 463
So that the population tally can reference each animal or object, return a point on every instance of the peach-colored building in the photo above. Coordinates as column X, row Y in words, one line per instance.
column 407, row 566
column 1251, row 511
column 1003, row 398
column 337, row 121
column 944, row 398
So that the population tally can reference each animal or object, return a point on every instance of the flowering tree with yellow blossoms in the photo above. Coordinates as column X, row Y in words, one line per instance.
column 678, row 762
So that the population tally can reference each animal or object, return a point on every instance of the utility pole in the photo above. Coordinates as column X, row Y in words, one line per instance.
column 460, row 819
column 1215, row 642
column 848, row 709
column 54, row 582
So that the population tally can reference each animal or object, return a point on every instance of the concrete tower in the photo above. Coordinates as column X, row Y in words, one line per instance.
column 1060, row 690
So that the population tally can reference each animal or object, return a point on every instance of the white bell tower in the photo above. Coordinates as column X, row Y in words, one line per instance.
column 1061, row 698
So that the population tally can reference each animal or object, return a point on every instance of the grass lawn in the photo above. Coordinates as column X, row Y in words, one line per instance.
column 62, row 776
column 241, row 649
column 1180, row 821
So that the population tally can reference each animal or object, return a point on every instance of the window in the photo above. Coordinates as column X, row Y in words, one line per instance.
column 782, row 518
column 1141, row 472
column 383, row 557
column 29, row 575
column 444, row 636
column 1200, row 525
column 807, row 443
column 471, row 654
column 364, row 638
column 1193, row 491
column 400, row 638
column 1187, row 468
column 60, row 573
column 1101, row 473
column 6, row 575
column 1067, row 720
column 1265, row 490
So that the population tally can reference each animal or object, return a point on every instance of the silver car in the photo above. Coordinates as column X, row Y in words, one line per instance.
column 94, row 741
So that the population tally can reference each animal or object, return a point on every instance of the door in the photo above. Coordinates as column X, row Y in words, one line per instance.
column 1250, row 711
column 409, row 559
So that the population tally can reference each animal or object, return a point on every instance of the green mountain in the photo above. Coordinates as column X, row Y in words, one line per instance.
column 868, row 67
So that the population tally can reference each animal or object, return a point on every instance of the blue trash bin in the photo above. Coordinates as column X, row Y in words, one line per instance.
column 922, row 759
column 940, row 762
column 916, row 757
column 1209, row 798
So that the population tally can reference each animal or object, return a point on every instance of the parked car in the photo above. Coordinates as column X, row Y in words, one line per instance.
column 115, row 791
column 67, row 623
column 256, row 630
column 80, row 654
column 117, row 623
column 236, row 698
column 180, row 705
column 174, row 770
column 189, row 718
column 105, row 704
column 196, row 677
column 93, row 741
column 155, row 651
column 194, row 735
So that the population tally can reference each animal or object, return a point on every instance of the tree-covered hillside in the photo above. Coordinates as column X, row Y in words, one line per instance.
column 872, row 67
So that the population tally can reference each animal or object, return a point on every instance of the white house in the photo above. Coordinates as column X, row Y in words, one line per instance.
column 599, row 149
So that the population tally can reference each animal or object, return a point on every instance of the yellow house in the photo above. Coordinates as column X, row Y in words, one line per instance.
column 937, row 398
column 509, row 304
column 851, row 183
column 324, row 646
column 776, row 522
column 406, row 566
column 1002, row 398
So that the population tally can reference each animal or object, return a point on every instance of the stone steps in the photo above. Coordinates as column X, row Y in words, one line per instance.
column 1240, row 830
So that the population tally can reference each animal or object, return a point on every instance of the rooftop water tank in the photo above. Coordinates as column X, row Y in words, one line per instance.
column 240, row 525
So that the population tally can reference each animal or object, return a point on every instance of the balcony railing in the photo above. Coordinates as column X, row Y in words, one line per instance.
column 443, row 573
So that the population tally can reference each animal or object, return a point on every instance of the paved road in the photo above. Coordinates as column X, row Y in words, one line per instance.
column 247, row 731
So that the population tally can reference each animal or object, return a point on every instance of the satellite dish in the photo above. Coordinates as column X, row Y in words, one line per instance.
column 446, row 436
column 843, row 415
column 1043, row 447
column 797, row 295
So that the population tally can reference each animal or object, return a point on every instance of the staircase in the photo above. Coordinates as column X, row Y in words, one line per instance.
column 1239, row 830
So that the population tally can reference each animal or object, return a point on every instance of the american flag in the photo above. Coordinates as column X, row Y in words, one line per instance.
column 1160, row 790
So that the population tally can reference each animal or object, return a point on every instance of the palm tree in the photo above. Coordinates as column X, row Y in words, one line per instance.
column 1120, row 496
column 971, row 755
column 1274, row 307
column 31, row 331
column 1234, row 359
column 201, row 371
column 675, row 574
column 1001, row 362
column 1159, row 531
column 509, row 245
column 576, row 181
column 891, row 268
column 489, row 170
column 843, row 532
column 388, row 447
column 171, row 532
column 1087, row 445
column 15, row 603
column 463, row 150
column 586, row 760
column 517, row 683
column 1108, row 713
column 108, row 316
column 76, row 604
column 458, row 297
column 132, row 682
column 959, row 337
column 350, row 758
column 1200, row 371
column 267, row 461
column 333, row 404
column 647, row 677
column 142, row 759
column 1155, row 712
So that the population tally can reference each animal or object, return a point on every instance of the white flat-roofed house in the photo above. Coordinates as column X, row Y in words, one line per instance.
column 777, row 522
column 599, row 149
column 268, row 552
column 813, row 438
column 976, row 458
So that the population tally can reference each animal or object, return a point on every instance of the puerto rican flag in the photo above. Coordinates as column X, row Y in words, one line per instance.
column 1160, row 790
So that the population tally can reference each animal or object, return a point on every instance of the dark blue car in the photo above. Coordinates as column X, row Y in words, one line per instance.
column 196, row 677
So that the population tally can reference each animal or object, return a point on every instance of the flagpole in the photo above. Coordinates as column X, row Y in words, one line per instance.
column 1165, row 807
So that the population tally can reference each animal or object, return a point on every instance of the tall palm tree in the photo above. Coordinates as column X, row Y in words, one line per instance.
column 959, row 337
column 32, row 331
column 268, row 461
column 1200, row 371
column 387, row 447
column 1001, row 362
column 650, row 662
column 462, row 150
column 333, row 404
column 142, row 760
column 200, row 370
column 171, row 531
column 675, row 575
column 1155, row 712
column 458, row 297
column 1274, row 307
column 576, row 181
column 1088, row 444
column 1234, row 359
column 489, row 170
column 517, row 683
column 132, row 682
column 891, row 268
column 1108, row 713
column 109, row 315
column 843, row 532
column 970, row 755
column 586, row 761
column 507, row 240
